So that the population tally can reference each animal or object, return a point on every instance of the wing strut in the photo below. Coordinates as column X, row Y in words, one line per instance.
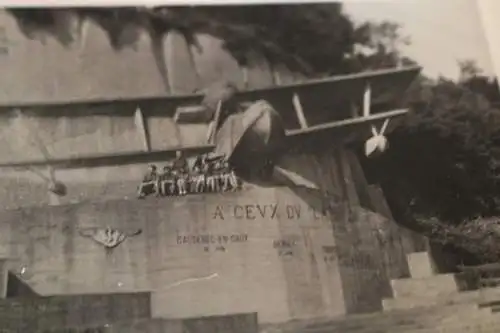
column 378, row 141
column 299, row 111
column 367, row 99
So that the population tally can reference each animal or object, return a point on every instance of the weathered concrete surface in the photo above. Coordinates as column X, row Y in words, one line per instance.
column 4, row 277
column 80, row 133
column 284, row 252
column 16, row 287
column 42, row 313
column 433, row 319
column 27, row 188
column 89, row 68
column 249, row 274
column 235, row 323
column 270, row 253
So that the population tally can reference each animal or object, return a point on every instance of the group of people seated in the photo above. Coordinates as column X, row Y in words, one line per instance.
column 208, row 174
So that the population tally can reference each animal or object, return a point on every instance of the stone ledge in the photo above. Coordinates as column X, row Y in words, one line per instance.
column 435, row 286
column 420, row 265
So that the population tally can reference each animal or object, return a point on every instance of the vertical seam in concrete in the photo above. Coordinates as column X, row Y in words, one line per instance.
column 288, row 287
column 358, row 178
column 352, row 195
column 195, row 68
column 170, row 80
column 244, row 73
column 158, row 51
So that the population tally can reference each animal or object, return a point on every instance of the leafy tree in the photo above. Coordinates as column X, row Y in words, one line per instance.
column 444, row 160
column 316, row 39
column 379, row 46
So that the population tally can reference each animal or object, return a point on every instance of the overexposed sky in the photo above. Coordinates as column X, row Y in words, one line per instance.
column 442, row 31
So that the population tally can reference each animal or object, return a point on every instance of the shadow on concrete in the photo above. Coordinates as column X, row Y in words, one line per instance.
column 18, row 288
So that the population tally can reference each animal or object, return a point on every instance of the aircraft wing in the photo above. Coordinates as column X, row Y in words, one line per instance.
column 347, row 130
column 387, row 85
column 317, row 96
column 113, row 159
column 320, row 97
column 381, row 87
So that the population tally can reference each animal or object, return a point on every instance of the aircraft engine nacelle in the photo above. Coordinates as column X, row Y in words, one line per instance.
column 252, row 138
column 58, row 188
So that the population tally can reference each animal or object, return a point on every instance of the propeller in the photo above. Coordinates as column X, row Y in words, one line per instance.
column 53, row 185
column 378, row 143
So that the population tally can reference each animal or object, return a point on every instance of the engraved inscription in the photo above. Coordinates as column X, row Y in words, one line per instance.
column 207, row 239
column 285, row 246
column 270, row 211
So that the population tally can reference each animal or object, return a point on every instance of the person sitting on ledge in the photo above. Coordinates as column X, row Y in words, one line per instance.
column 167, row 181
column 210, row 176
column 180, row 163
column 229, row 179
column 180, row 179
column 219, row 174
column 198, row 179
column 149, row 182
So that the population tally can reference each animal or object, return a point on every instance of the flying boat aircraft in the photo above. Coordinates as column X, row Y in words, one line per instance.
column 340, row 109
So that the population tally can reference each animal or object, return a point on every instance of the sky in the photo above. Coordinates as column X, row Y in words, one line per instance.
column 441, row 31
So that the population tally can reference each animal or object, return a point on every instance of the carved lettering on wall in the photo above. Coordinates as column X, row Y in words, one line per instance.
column 293, row 212
column 207, row 239
column 108, row 237
column 270, row 211
column 285, row 246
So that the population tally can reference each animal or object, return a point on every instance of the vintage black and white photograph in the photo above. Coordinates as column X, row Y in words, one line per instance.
column 249, row 168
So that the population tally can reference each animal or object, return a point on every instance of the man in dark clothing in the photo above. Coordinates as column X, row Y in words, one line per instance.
column 181, row 170
column 229, row 179
column 198, row 179
column 180, row 162
column 167, row 183
column 149, row 182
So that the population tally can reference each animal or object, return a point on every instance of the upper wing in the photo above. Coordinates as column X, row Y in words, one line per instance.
column 327, row 103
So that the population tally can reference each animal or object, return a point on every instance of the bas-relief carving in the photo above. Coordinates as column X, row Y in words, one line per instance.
column 108, row 237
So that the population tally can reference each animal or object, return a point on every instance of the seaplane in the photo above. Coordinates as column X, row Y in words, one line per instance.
column 357, row 107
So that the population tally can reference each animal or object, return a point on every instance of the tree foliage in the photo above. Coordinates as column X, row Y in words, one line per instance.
column 316, row 39
column 444, row 160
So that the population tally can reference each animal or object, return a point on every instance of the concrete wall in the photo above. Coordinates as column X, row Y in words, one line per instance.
column 44, row 69
column 82, row 66
column 284, row 252
column 43, row 313
column 248, row 274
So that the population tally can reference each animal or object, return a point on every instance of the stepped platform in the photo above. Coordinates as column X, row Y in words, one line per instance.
column 23, row 310
column 430, row 319
column 234, row 323
column 424, row 303
column 28, row 314
column 442, row 308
